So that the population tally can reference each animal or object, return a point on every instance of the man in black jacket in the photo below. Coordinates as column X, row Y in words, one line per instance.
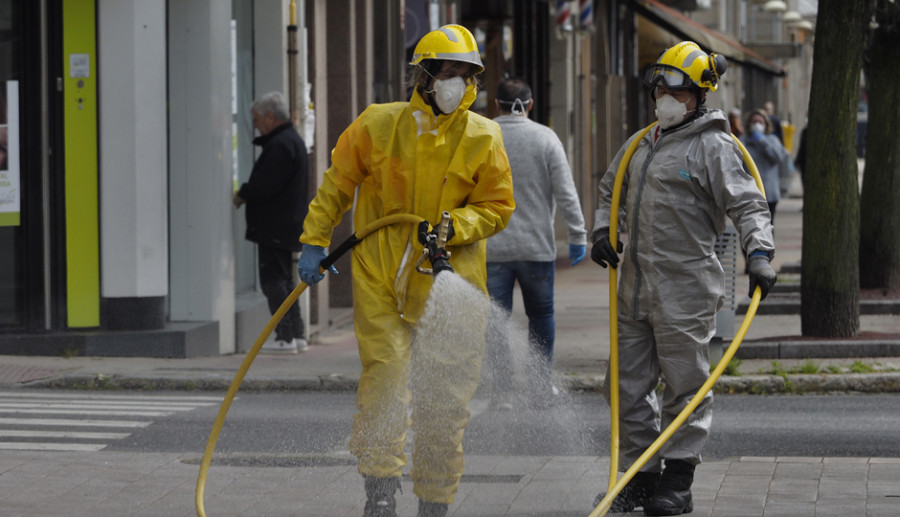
column 277, row 197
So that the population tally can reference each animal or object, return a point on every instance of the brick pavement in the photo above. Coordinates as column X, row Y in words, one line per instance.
column 163, row 484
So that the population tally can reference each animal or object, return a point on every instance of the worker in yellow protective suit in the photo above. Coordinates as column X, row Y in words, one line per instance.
column 422, row 157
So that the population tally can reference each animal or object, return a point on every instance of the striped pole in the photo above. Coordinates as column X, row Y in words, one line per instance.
column 586, row 14
column 563, row 16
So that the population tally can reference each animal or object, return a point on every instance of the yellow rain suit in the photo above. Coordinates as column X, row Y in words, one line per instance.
column 400, row 158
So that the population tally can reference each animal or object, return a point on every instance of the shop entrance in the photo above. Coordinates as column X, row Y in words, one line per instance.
column 29, row 200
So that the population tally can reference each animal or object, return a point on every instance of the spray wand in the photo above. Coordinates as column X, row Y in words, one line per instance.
column 435, row 245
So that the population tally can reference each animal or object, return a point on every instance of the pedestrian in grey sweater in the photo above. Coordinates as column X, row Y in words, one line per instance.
column 526, row 250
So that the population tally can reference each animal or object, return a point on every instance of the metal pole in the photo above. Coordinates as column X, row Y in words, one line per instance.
column 292, row 65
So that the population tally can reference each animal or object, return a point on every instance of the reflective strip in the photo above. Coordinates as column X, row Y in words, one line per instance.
column 450, row 34
column 691, row 57
column 468, row 57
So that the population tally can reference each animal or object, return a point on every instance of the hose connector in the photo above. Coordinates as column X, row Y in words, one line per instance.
column 435, row 245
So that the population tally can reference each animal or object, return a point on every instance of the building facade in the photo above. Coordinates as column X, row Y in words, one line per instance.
column 127, row 129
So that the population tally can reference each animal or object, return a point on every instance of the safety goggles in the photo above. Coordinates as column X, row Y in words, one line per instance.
column 667, row 75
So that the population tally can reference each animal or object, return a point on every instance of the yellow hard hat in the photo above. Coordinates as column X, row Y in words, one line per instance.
column 684, row 65
column 450, row 42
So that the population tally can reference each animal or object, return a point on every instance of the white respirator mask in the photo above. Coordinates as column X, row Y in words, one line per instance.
column 669, row 111
column 448, row 93
column 758, row 127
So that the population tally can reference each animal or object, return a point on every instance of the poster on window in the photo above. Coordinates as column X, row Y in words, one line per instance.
column 9, row 155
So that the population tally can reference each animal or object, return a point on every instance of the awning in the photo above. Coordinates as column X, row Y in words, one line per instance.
column 709, row 40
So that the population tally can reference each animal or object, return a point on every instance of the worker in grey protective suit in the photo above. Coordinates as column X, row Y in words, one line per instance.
column 684, row 178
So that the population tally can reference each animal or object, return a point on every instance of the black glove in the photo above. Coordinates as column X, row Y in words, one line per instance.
column 602, row 251
column 762, row 275
column 425, row 236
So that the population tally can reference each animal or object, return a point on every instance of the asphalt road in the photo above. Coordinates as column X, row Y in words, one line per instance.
column 275, row 428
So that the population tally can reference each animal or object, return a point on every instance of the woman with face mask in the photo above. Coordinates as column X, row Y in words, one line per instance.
column 684, row 178
column 423, row 157
column 770, row 156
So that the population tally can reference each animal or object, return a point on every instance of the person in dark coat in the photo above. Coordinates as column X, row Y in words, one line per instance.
column 277, row 195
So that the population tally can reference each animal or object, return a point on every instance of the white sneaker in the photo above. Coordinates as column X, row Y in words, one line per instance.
column 280, row 347
column 301, row 344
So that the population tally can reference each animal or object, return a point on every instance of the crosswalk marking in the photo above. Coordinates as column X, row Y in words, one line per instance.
column 78, row 410
column 81, row 435
column 73, row 422
column 48, row 446
column 106, row 396
column 85, row 412
column 75, row 405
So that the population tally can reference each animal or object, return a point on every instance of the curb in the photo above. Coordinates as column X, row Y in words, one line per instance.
column 777, row 384
column 790, row 305
column 810, row 383
column 819, row 349
column 101, row 382
column 744, row 384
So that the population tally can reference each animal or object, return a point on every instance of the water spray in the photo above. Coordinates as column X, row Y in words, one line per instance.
column 616, row 486
column 325, row 265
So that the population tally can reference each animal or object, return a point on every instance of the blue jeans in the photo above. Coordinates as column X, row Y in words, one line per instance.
column 536, row 281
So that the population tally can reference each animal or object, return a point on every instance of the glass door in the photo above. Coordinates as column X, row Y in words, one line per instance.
column 30, row 254
column 242, row 126
column 12, row 278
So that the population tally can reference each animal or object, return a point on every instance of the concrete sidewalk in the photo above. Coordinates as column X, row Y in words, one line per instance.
column 163, row 484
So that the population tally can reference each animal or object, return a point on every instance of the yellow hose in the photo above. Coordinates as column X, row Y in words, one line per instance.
column 616, row 486
column 252, row 353
column 614, row 311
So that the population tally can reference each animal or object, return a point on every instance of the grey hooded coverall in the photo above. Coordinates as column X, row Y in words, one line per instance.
column 679, row 186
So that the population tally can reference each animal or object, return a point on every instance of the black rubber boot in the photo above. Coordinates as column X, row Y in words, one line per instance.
column 634, row 494
column 673, row 495
column 380, row 500
column 432, row 509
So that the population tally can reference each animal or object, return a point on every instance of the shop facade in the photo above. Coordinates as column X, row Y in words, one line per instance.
column 126, row 128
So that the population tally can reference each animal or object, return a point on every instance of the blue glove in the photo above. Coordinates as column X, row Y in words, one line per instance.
column 577, row 252
column 308, row 265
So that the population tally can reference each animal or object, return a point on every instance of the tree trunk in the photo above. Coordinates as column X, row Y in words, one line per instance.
column 830, row 264
column 879, row 234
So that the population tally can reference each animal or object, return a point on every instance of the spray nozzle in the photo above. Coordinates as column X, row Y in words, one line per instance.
column 435, row 244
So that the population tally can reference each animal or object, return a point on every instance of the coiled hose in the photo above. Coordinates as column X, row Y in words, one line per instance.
column 353, row 240
column 615, row 486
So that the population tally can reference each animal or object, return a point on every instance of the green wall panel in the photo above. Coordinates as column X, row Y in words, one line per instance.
column 81, row 178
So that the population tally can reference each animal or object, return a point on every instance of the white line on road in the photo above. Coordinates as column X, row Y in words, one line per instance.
column 104, row 396
column 25, row 446
column 86, row 405
column 130, row 402
column 73, row 423
column 84, row 412
column 80, row 435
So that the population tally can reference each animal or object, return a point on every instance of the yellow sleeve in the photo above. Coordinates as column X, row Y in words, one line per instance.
column 490, row 203
column 335, row 196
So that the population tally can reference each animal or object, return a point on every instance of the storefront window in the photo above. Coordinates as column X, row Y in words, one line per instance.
column 11, row 249
column 242, row 127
